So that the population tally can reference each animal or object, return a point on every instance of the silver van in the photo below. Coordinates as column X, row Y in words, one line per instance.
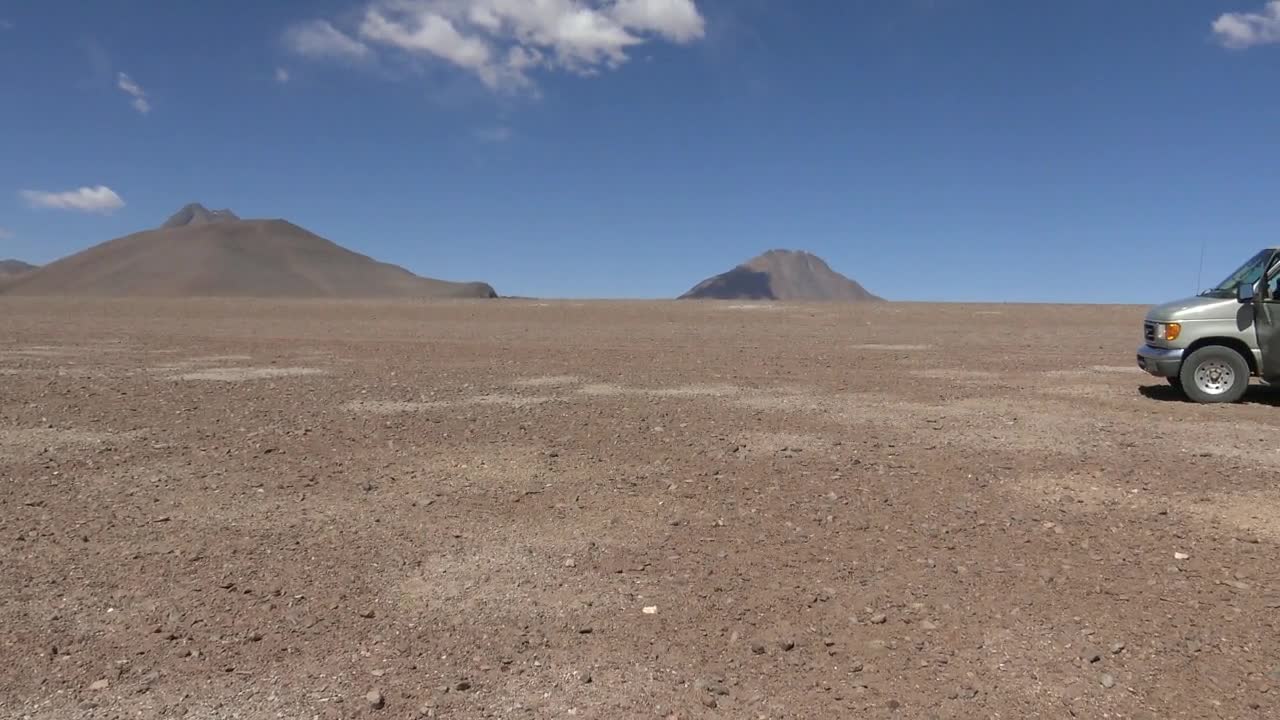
column 1210, row 345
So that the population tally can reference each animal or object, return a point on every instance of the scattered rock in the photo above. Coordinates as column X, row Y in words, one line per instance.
column 787, row 645
column 879, row 619
column 367, row 613
column 570, row 563
column 102, row 684
column 1108, row 681
column 462, row 686
column 757, row 648
column 375, row 700
column 1117, row 648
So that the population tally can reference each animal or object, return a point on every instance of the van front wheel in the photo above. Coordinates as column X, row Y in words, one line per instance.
column 1214, row 374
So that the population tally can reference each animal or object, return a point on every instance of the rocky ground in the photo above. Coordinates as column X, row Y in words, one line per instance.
column 614, row 510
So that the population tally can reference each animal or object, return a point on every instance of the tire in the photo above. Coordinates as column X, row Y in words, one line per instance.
column 1214, row 374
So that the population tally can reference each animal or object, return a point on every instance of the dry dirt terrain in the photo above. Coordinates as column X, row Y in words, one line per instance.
column 515, row 509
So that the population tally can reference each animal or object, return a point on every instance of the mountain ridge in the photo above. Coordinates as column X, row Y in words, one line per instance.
column 199, row 253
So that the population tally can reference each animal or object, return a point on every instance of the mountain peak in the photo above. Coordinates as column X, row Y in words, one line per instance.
column 197, row 214
column 781, row 275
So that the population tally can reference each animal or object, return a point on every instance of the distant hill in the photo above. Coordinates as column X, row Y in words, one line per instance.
column 199, row 253
column 781, row 275
column 14, row 267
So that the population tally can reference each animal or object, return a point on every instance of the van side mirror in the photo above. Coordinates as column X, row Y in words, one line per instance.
column 1244, row 293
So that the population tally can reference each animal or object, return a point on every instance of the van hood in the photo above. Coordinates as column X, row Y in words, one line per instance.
column 1195, row 308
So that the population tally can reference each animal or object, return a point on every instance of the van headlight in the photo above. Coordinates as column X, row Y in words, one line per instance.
column 1168, row 331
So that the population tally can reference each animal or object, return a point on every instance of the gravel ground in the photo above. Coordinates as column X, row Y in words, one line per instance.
column 514, row 509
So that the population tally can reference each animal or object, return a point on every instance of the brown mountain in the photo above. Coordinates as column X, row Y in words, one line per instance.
column 215, row 254
column 14, row 267
column 781, row 275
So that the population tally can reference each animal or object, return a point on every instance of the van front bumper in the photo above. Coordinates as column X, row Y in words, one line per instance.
column 1161, row 362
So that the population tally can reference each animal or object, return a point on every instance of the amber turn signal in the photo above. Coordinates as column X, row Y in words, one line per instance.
column 1172, row 331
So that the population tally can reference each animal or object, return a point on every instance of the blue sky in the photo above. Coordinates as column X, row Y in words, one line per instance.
column 931, row 149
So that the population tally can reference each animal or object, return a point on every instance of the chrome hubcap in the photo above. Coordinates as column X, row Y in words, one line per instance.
column 1215, row 377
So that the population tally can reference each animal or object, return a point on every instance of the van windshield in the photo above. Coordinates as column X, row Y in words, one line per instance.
column 1246, row 274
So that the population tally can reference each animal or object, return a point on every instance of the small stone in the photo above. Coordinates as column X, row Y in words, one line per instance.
column 255, row 636
column 462, row 686
column 1180, row 556
column 102, row 684
column 1117, row 648
column 585, row 677
column 787, row 645
column 928, row 626
column 1108, row 681
column 88, row 705
column 367, row 613
column 587, row 630
column 893, row 704
column 828, row 642
column 757, row 648
column 570, row 563
column 709, row 701
column 375, row 700
column 879, row 619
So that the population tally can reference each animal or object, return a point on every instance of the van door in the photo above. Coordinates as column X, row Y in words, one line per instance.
column 1267, row 320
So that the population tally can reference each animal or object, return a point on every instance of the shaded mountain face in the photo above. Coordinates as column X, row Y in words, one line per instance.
column 218, row 255
column 15, row 267
column 781, row 275
column 197, row 214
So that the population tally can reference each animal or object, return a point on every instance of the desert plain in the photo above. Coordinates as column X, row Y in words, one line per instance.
column 524, row 509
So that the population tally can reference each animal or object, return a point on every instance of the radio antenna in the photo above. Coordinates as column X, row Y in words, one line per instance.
column 1200, row 270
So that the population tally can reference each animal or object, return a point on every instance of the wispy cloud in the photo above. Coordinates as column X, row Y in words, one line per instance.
column 131, row 88
column 502, row 42
column 496, row 134
column 320, row 39
column 97, row 199
column 282, row 75
column 1240, row 30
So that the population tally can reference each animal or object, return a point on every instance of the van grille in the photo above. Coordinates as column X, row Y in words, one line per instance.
column 1149, row 330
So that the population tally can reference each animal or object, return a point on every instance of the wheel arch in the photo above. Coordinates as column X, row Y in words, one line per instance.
column 1234, row 343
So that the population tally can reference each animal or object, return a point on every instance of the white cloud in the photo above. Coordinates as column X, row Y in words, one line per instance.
column 676, row 19
column 140, row 102
column 320, row 39
column 282, row 75
column 503, row 41
column 1240, row 30
column 98, row 199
